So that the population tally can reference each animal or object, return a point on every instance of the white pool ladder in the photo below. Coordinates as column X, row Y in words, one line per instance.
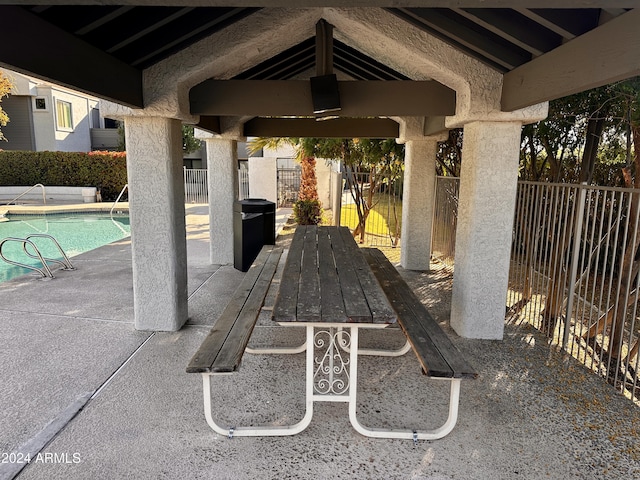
column 45, row 271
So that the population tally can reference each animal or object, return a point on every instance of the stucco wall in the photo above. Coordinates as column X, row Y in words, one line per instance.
column 323, row 176
column 263, row 178
column 46, row 134
column 79, row 139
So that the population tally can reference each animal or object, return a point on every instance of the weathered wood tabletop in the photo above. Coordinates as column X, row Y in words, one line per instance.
column 327, row 279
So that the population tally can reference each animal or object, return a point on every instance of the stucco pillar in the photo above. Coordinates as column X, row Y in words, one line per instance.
column 417, row 202
column 222, row 165
column 488, row 183
column 156, row 207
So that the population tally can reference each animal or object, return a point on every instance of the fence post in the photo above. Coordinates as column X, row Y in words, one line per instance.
column 336, row 199
column 186, row 184
column 575, row 251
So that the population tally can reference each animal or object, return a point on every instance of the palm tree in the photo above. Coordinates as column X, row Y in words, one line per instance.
column 307, row 209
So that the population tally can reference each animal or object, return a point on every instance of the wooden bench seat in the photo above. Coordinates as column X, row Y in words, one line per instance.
column 437, row 354
column 222, row 349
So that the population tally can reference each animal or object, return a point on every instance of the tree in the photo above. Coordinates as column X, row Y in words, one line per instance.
column 5, row 89
column 565, row 146
column 365, row 163
column 629, row 94
column 308, row 181
column 190, row 144
column 592, row 137
column 307, row 209
column 449, row 155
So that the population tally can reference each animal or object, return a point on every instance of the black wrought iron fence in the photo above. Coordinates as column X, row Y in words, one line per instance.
column 288, row 186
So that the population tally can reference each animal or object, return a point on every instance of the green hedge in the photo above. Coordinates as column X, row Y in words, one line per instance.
column 105, row 170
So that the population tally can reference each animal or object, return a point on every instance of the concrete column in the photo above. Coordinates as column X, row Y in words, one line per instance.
column 222, row 165
column 417, row 202
column 156, row 206
column 263, row 178
column 488, row 183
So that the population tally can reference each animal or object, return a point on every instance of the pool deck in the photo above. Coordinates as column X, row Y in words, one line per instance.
column 100, row 400
column 27, row 209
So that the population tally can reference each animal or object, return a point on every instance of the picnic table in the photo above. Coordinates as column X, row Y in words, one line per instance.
column 334, row 289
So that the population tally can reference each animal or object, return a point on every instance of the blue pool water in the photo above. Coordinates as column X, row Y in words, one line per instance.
column 76, row 233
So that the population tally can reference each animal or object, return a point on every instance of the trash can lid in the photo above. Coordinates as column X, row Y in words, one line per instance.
column 259, row 205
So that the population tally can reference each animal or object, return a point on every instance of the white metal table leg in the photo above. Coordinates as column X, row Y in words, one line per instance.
column 440, row 432
column 277, row 350
column 265, row 431
column 381, row 353
column 351, row 398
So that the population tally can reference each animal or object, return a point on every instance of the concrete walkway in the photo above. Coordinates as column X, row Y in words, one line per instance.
column 91, row 398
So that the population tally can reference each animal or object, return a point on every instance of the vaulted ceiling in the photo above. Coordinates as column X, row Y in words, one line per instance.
column 504, row 38
column 113, row 44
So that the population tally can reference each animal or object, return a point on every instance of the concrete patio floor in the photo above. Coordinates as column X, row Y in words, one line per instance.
column 100, row 400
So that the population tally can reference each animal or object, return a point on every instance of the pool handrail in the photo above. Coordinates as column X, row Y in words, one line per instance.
column 65, row 262
column 44, row 196
column 114, row 206
column 45, row 272
column 118, row 199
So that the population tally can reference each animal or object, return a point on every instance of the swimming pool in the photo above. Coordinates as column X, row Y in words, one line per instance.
column 76, row 233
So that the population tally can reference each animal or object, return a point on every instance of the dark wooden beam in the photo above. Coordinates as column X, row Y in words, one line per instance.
column 604, row 55
column 209, row 124
column 310, row 128
column 324, row 48
column 266, row 98
column 35, row 47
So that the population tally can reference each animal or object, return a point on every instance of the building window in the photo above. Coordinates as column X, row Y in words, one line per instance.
column 111, row 123
column 63, row 115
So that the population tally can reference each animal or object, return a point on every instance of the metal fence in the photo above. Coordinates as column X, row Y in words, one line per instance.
column 445, row 219
column 380, row 200
column 574, row 273
column 195, row 185
column 243, row 183
column 288, row 186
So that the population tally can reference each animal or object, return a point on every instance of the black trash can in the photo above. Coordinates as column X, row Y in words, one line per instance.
column 254, row 225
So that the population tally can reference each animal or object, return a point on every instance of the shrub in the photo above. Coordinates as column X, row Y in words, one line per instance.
column 105, row 170
column 307, row 212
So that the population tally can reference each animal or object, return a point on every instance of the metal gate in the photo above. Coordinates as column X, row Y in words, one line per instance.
column 195, row 185
column 288, row 186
